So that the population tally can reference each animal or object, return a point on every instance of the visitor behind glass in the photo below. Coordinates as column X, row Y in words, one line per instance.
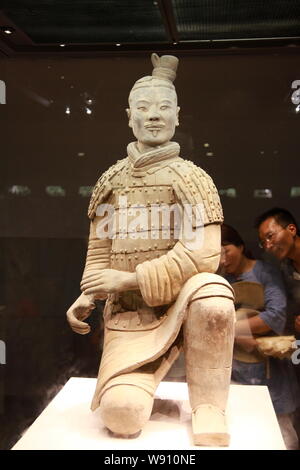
column 249, row 367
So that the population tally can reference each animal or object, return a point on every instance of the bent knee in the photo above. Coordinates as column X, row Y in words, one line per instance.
column 125, row 409
column 213, row 286
column 214, row 302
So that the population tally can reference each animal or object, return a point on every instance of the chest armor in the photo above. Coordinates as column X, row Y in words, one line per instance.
column 143, row 230
column 145, row 224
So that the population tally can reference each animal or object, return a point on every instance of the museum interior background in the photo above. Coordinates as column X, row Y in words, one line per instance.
column 63, row 122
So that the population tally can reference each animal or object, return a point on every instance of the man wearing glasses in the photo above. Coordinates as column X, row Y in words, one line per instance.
column 280, row 236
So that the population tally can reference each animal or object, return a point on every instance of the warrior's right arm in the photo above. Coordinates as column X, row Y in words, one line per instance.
column 98, row 252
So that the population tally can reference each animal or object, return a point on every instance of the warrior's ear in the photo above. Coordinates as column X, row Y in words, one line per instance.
column 177, row 116
column 129, row 117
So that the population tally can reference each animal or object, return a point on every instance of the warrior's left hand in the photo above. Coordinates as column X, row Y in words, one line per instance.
column 109, row 281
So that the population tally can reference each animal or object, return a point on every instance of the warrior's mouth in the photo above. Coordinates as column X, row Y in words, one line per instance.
column 154, row 129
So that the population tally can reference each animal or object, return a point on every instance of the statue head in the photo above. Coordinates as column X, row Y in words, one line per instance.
column 153, row 110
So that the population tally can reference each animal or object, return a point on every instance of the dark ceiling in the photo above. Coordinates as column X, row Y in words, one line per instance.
column 106, row 26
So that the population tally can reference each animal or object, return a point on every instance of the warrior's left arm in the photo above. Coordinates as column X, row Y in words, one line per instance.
column 161, row 279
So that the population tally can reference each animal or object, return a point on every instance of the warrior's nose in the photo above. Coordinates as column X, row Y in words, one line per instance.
column 153, row 115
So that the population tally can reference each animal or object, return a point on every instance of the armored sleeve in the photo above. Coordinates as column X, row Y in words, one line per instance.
column 194, row 188
column 99, row 246
column 99, row 250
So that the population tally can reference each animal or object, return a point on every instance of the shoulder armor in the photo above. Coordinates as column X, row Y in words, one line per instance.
column 195, row 187
column 103, row 186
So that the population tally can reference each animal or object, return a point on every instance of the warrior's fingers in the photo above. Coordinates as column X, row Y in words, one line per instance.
column 94, row 290
column 82, row 331
column 90, row 278
column 90, row 284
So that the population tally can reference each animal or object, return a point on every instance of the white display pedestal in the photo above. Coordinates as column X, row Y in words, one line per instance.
column 68, row 423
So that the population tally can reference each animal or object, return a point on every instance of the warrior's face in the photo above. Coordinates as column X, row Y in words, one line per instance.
column 153, row 113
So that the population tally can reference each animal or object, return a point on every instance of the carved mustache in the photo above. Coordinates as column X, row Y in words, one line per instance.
column 154, row 125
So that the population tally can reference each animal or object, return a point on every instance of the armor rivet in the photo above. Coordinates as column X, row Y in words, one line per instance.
column 136, row 257
column 124, row 325
column 129, row 258
column 138, row 322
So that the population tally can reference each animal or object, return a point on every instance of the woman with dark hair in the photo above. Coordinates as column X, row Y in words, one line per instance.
column 261, row 310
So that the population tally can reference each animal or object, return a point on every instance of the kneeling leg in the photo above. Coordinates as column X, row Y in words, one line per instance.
column 125, row 409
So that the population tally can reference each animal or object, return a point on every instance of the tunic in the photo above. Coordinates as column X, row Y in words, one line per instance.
column 145, row 234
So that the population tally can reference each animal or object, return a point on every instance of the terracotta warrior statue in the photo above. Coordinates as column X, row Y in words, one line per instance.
column 153, row 249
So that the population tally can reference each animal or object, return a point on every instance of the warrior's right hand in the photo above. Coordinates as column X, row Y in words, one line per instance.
column 80, row 310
